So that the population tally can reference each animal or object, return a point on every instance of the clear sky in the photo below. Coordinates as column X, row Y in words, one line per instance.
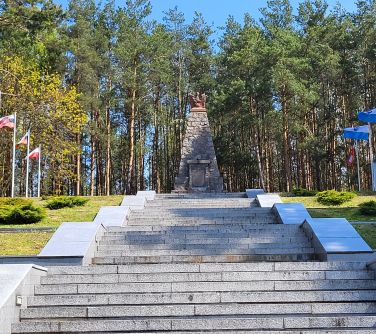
column 216, row 11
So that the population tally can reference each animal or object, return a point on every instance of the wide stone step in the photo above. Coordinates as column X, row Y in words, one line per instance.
column 184, row 310
column 237, row 286
column 260, row 297
column 288, row 249
column 209, row 267
column 204, row 277
column 225, row 243
column 198, row 323
column 199, row 221
column 204, row 258
column 110, row 246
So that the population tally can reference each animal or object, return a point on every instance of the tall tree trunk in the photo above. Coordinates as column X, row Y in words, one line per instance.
column 286, row 149
column 108, row 152
column 131, row 133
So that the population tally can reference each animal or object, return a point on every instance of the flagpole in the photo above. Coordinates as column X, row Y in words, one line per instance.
column 14, row 151
column 39, row 169
column 357, row 163
column 27, row 163
column 373, row 187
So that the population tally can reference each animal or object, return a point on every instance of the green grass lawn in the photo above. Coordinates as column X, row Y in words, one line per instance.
column 31, row 243
column 84, row 213
column 23, row 243
column 347, row 210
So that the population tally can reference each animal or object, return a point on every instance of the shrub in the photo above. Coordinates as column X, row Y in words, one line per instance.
column 368, row 208
column 60, row 202
column 19, row 211
column 333, row 197
column 301, row 192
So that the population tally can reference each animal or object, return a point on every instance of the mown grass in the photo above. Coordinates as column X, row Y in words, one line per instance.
column 85, row 213
column 23, row 243
column 348, row 210
column 31, row 243
column 368, row 232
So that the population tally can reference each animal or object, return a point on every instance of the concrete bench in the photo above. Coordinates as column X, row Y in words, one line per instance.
column 291, row 213
column 335, row 239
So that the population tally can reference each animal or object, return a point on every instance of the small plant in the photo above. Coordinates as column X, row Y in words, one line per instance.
column 368, row 208
column 19, row 211
column 60, row 202
column 301, row 192
column 333, row 197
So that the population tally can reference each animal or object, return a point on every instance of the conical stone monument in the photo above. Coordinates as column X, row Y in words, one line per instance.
column 198, row 171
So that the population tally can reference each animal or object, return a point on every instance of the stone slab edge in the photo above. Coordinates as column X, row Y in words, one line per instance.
column 290, row 213
column 16, row 280
column 320, row 243
column 252, row 193
column 267, row 200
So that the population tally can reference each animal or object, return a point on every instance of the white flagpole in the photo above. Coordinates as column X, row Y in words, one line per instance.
column 14, row 152
column 373, row 181
column 27, row 163
column 357, row 163
column 39, row 169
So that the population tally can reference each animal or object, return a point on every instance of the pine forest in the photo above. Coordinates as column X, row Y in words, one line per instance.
column 104, row 90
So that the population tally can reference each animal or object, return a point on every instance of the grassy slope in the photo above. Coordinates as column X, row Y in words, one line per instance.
column 32, row 243
column 347, row 210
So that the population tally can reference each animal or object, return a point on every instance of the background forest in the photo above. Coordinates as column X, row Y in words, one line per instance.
column 104, row 90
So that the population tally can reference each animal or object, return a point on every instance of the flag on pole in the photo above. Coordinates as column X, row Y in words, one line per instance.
column 351, row 158
column 7, row 121
column 35, row 154
column 23, row 140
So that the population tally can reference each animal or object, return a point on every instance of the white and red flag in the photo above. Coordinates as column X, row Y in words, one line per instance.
column 35, row 154
column 7, row 121
column 351, row 157
column 23, row 141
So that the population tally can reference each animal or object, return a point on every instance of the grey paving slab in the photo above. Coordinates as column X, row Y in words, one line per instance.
column 71, row 239
column 291, row 213
column 268, row 200
column 252, row 193
column 336, row 235
column 112, row 216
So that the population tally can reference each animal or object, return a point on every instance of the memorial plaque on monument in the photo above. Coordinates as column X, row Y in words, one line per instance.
column 198, row 169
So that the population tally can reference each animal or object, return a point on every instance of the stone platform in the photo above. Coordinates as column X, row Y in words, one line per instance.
column 196, row 263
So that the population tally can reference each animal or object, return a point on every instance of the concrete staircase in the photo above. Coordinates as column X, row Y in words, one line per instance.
column 190, row 264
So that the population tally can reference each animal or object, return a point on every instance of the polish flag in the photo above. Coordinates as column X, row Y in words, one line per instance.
column 7, row 121
column 35, row 154
column 351, row 157
column 23, row 141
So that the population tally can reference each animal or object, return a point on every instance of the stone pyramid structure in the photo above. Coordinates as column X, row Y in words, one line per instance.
column 198, row 169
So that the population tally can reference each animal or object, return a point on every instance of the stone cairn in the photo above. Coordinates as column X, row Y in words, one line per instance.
column 198, row 171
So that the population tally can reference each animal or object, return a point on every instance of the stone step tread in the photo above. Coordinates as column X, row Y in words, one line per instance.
column 186, row 244
column 217, row 276
column 207, row 252
column 193, row 246
column 198, row 286
column 203, row 258
column 211, row 267
column 211, row 323
column 198, row 310
column 260, row 297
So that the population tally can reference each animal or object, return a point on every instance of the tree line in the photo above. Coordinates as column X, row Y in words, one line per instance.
column 105, row 90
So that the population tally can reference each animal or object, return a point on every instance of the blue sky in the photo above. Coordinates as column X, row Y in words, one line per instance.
column 216, row 11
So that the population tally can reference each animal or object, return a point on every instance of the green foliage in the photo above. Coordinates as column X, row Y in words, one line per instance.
column 368, row 208
column 301, row 192
column 19, row 211
column 60, row 202
column 333, row 197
